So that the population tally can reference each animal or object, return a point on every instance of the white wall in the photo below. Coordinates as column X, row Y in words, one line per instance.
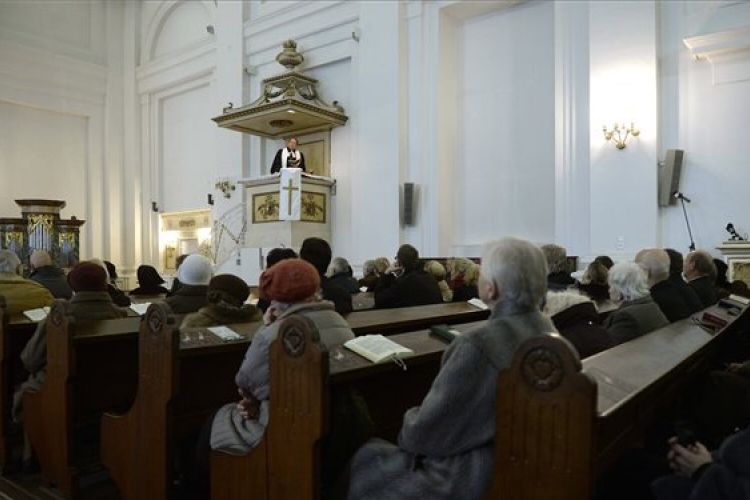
column 503, row 176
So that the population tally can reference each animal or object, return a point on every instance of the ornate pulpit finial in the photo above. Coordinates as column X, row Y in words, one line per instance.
column 289, row 57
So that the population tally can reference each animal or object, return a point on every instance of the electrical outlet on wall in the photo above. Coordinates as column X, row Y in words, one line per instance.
column 620, row 245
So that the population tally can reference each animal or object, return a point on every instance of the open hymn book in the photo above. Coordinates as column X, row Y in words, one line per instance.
column 378, row 349
column 37, row 314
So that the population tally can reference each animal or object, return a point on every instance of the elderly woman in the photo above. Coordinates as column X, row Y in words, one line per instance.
column 576, row 318
column 464, row 276
column 557, row 262
column 226, row 298
column 445, row 448
column 594, row 282
column 149, row 282
column 638, row 314
column 370, row 275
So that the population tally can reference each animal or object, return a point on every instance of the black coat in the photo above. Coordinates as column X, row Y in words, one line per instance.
column 463, row 293
column 118, row 296
column 704, row 288
column 559, row 281
column 342, row 300
column 687, row 293
column 414, row 288
column 53, row 279
column 581, row 326
column 669, row 300
column 345, row 281
column 188, row 299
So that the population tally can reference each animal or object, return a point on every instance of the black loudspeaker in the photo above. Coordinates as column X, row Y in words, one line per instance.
column 409, row 205
column 669, row 177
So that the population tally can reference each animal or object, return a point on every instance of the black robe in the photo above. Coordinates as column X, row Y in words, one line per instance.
column 276, row 165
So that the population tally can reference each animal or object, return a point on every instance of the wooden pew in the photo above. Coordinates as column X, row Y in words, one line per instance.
column 183, row 376
column 405, row 319
column 91, row 368
column 541, row 454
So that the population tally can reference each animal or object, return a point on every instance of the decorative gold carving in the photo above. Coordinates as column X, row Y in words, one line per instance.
column 313, row 207
column 266, row 207
column 45, row 220
column 13, row 237
column 542, row 369
column 289, row 57
column 68, row 238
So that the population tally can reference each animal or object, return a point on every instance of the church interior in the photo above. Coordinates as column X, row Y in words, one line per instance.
column 139, row 131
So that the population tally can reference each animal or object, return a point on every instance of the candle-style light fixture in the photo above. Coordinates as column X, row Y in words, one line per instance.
column 226, row 187
column 620, row 133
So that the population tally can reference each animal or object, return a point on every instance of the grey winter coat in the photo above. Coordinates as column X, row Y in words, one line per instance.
column 445, row 448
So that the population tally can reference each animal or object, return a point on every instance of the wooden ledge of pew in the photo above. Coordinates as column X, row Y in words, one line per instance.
column 391, row 321
column 91, row 368
column 614, row 398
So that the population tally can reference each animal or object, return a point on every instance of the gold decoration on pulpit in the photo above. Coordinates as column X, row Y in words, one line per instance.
column 313, row 207
column 68, row 238
column 266, row 207
column 741, row 270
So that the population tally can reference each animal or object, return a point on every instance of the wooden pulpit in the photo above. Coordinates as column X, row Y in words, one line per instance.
column 265, row 211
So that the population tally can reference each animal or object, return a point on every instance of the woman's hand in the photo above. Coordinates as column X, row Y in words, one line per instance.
column 687, row 459
column 248, row 407
column 271, row 315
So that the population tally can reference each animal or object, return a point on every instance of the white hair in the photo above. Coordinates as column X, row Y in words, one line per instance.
column 518, row 270
column 655, row 263
column 40, row 258
column 339, row 265
column 368, row 268
column 629, row 279
column 9, row 262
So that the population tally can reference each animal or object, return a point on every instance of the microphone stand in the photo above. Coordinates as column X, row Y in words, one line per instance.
column 683, row 199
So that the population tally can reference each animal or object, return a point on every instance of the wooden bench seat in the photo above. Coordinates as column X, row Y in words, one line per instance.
column 91, row 368
column 406, row 319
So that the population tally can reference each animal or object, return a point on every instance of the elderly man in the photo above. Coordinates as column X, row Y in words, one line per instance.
column 557, row 262
column 340, row 274
column 51, row 277
column 676, row 263
column 406, row 283
column 20, row 294
column 317, row 252
column 655, row 262
column 700, row 272
column 446, row 446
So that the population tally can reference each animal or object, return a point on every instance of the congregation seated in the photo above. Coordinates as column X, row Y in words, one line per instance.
column 576, row 318
column 194, row 274
column 464, row 276
column 437, row 271
column 370, row 275
column 176, row 284
column 226, row 298
column 445, row 447
column 149, row 282
column 594, row 282
column 90, row 301
column 638, row 314
column 702, row 475
column 274, row 256
column 118, row 296
column 50, row 276
column 20, row 294
column 317, row 252
column 406, row 283
column 291, row 286
column 676, row 265
column 725, row 288
column 700, row 273
column 655, row 263
column 340, row 274
column 557, row 263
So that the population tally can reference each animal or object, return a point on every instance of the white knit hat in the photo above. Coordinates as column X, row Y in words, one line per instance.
column 195, row 270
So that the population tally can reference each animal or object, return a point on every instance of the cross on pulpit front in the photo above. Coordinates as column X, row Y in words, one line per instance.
column 290, row 190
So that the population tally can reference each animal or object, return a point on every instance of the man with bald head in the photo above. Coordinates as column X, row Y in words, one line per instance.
column 656, row 264
column 51, row 277
column 700, row 272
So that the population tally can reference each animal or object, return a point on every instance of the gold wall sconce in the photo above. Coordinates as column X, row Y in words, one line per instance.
column 225, row 187
column 620, row 133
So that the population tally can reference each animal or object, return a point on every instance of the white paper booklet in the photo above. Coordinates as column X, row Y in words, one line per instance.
column 37, row 314
column 478, row 303
column 140, row 308
column 225, row 333
column 377, row 348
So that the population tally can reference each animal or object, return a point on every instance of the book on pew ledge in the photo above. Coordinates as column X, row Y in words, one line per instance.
column 445, row 332
column 225, row 333
column 378, row 349
column 478, row 303
column 37, row 315
column 140, row 308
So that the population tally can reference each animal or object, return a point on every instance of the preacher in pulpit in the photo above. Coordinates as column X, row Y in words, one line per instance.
column 288, row 157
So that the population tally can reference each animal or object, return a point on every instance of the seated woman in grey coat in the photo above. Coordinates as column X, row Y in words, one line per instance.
column 638, row 314
column 445, row 448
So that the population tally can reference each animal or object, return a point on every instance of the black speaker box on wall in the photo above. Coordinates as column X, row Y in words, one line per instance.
column 409, row 204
